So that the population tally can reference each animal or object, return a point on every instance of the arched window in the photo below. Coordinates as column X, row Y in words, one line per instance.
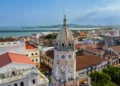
column 33, row 81
column 70, row 44
column 21, row 84
column 13, row 73
column 15, row 84
column 63, row 44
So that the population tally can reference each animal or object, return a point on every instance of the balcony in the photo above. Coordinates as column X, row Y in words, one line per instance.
column 64, row 48
column 25, row 74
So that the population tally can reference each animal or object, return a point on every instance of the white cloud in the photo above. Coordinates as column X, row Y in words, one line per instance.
column 107, row 14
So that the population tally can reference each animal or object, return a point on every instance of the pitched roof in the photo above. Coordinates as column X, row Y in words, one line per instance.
column 111, row 33
column 116, row 48
column 91, row 45
column 50, row 53
column 29, row 46
column 110, row 55
column 87, row 61
column 80, row 53
column 13, row 57
column 82, row 34
column 77, row 46
column 94, row 49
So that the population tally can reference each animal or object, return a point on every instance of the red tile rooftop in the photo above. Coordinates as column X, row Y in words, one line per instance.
column 111, row 33
column 91, row 45
column 116, row 48
column 8, row 57
column 77, row 46
column 29, row 46
column 87, row 61
column 50, row 53
column 94, row 49
column 83, row 34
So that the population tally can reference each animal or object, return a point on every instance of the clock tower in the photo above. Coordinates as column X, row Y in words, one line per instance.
column 64, row 66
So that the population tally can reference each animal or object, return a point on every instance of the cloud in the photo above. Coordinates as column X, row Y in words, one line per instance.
column 105, row 15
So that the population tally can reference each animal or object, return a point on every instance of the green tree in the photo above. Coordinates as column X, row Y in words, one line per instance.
column 100, row 77
column 49, row 36
column 114, row 72
column 109, row 83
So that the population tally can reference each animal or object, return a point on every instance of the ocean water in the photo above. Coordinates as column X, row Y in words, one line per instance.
column 18, row 34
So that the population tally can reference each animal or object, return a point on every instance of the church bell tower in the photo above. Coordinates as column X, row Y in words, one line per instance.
column 64, row 66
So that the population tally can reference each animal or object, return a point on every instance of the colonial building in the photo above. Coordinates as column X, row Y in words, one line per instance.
column 110, row 39
column 19, row 70
column 115, row 50
column 12, row 46
column 92, row 49
column 69, row 69
column 33, row 53
column 113, row 59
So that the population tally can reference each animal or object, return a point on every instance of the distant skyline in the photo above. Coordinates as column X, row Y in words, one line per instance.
column 50, row 12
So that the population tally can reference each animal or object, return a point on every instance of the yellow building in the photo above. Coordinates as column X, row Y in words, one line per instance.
column 33, row 53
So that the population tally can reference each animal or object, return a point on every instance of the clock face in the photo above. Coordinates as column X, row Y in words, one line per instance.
column 69, row 56
column 62, row 56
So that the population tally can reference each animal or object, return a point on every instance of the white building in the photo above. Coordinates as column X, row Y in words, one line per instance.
column 14, row 47
column 19, row 70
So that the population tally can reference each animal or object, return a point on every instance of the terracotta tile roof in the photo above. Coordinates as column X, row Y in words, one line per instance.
column 111, row 33
column 29, row 46
column 109, row 55
column 82, row 34
column 12, row 57
column 80, row 53
column 87, row 61
column 94, row 49
column 75, row 35
column 50, row 53
column 100, row 46
column 91, row 45
column 116, row 48
column 77, row 46
column 46, row 41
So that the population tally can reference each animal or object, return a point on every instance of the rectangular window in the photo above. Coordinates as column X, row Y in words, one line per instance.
column 33, row 81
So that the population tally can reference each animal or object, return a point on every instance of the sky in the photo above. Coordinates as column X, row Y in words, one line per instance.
column 51, row 12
